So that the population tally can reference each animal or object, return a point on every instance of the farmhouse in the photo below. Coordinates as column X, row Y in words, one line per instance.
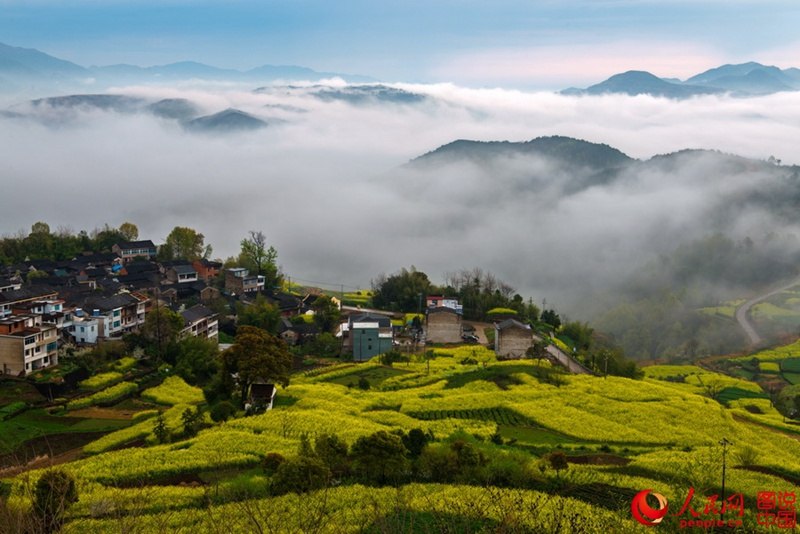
column 512, row 338
column 369, row 335
column 443, row 325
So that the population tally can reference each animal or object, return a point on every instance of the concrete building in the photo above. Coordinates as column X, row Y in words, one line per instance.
column 238, row 280
column 129, row 250
column 368, row 336
column 199, row 321
column 27, row 344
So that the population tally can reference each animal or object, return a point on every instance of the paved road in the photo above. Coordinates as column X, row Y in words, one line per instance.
column 572, row 365
column 744, row 309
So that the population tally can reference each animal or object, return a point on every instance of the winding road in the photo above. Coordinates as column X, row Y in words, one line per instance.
column 743, row 311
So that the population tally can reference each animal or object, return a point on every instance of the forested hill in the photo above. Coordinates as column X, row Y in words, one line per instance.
column 592, row 229
column 566, row 149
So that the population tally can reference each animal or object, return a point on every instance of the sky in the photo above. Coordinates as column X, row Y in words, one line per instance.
column 540, row 44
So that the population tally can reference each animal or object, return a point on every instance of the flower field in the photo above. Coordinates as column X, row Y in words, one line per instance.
column 174, row 391
column 660, row 432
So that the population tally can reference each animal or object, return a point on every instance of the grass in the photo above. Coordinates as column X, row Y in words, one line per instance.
column 37, row 423
column 225, row 338
column 791, row 365
column 792, row 378
column 14, row 391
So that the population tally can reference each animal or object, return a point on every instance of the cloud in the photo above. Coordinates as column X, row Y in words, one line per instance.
column 324, row 188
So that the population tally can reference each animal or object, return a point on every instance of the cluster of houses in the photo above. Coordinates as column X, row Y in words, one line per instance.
column 96, row 297
column 102, row 296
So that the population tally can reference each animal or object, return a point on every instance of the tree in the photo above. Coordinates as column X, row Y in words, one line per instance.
column 197, row 359
column 260, row 314
column 551, row 318
column 184, row 243
column 129, row 231
column 326, row 313
column 788, row 402
column 260, row 259
column 192, row 420
column 160, row 430
column 558, row 461
column 257, row 355
column 379, row 458
column 300, row 475
column 54, row 493
column 402, row 291
column 332, row 450
column 538, row 350
column 161, row 328
column 222, row 411
column 325, row 345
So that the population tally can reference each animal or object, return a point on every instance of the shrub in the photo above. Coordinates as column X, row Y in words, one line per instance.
column 746, row 456
column 363, row 383
column 271, row 462
column 222, row 411
column 300, row 475
column 54, row 493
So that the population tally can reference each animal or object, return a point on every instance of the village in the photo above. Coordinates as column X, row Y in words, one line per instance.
column 97, row 297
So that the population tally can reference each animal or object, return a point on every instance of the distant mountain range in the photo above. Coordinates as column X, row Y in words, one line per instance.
column 24, row 69
column 746, row 79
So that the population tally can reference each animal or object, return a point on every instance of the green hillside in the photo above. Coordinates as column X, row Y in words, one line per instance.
column 620, row 436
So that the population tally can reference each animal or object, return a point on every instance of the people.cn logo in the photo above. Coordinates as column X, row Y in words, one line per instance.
column 644, row 513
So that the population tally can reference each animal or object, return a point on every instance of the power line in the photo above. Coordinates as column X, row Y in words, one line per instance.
column 332, row 284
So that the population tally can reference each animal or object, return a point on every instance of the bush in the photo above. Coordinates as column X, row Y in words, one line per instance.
column 222, row 411
column 271, row 462
column 54, row 493
column 300, row 475
column 363, row 383
column 746, row 456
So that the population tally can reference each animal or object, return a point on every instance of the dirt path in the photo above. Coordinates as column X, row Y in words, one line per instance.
column 743, row 311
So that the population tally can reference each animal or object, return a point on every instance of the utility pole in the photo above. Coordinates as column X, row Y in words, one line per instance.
column 724, row 442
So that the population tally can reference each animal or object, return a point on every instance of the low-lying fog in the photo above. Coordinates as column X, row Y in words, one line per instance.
column 321, row 179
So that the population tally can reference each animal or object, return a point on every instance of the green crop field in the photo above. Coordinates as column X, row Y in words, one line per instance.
column 620, row 436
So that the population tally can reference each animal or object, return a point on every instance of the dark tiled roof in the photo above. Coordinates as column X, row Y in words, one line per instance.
column 512, row 323
column 27, row 293
column 382, row 320
column 109, row 303
column 127, row 245
column 195, row 313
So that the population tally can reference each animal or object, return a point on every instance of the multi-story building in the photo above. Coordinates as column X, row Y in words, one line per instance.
column 369, row 335
column 108, row 317
column 238, row 280
column 14, row 298
column 129, row 250
column 27, row 344
column 200, row 321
